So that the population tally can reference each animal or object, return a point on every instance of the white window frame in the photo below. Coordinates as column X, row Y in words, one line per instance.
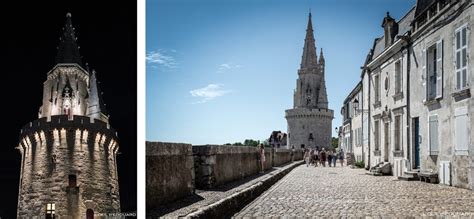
column 377, row 134
column 438, row 71
column 398, row 130
column 399, row 78
column 377, row 87
column 456, row 50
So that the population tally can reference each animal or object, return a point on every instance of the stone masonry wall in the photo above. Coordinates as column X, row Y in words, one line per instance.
column 216, row 165
column 52, row 151
column 169, row 172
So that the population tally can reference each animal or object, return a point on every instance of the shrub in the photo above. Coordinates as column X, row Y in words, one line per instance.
column 359, row 164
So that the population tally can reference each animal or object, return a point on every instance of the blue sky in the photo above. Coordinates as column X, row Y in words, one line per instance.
column 222, row 71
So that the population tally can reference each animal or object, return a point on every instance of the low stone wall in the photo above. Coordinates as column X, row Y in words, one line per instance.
column 281, row 156
column 216, row 164
column 169, row 172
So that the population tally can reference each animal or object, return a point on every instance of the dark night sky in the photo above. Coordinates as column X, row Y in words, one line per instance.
column 30, row 35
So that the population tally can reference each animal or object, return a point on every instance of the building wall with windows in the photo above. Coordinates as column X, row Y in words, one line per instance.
column 441, row 90
column 388, row 94
column 352, row 128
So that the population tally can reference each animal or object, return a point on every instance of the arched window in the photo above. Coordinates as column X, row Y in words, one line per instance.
column 89, row 214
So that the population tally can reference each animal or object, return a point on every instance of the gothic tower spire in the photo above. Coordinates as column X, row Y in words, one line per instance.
column 309, row 59
column 96, row 106
column 68, row 49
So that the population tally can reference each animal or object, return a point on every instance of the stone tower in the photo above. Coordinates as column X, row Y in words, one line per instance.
column 69, row 166
column 310, row 120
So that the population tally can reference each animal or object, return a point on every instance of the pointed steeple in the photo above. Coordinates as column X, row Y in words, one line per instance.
column 96, row 106
column 68, row 49
column 309, row 59
column 322, row 95
column 321, row 57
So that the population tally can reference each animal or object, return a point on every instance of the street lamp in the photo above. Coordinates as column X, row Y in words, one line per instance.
column 356, row 106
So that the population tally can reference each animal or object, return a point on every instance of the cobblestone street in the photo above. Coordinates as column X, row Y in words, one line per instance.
column 325, row 191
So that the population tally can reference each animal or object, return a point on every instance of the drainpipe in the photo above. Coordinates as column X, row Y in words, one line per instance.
column 369, row 118
column 409, row 149
column 362, row 116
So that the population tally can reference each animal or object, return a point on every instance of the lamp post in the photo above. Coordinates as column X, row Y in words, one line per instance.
column 356, row 106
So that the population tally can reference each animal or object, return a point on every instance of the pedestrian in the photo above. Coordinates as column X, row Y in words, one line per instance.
column 306, row 156
column 330, row 157
column 316, row 157
column 341, row 157
column 322, row 157
column 292, row 153
column 334, row 159
column 262, row 157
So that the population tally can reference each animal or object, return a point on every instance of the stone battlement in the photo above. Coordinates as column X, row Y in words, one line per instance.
column 63, row 121
column 305, row 112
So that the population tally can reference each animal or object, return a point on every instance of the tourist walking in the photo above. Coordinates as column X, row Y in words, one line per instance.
column 330, row 157
column 341, row 157
column 316, row 157
column 322, row 157
column 306, row 156
column 292, row 153
column 262, row 157
column 334, row 159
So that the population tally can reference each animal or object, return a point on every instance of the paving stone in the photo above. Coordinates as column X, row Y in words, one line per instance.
column 350, row 193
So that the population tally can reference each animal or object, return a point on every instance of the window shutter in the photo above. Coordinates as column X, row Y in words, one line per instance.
column 445, row 172
column 461, row 132
column 433, row 134
column 439, row 69
column 424, row 74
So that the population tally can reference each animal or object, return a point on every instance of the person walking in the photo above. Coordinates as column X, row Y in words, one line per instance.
column 341, row 157
column 292, row 153
column 306, row 156
column 334, row 159
column 316, row 157
column 322, row 158
column 330, row 157
column 262, row 157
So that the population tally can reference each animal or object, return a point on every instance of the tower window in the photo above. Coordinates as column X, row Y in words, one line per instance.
column 72, row 181
column 50, row 211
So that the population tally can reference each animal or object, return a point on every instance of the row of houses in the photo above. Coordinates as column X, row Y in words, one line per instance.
column 413, row 106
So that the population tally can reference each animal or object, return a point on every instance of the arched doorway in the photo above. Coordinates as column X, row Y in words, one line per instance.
column 89, row 214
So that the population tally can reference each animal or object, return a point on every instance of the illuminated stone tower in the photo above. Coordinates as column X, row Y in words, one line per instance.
column 69, row 167
column 310, row 120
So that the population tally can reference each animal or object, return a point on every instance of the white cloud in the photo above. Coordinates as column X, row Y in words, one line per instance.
column 228, row 66
column 160, row 58
column 209, row 92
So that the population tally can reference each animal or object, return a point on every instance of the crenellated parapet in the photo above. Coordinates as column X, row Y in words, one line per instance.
column 309, row 113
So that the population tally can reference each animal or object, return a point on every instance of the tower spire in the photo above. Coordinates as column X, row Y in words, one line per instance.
column 68, row 49
column 309, row 59
column 321, row 57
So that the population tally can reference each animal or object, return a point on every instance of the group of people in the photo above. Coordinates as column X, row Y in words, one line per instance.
column 311, row 157
column 315, row 157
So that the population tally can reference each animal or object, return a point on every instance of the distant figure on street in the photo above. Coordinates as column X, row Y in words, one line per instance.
column 316, row 157
column 262, row 157
column 334, row 159
column 292, row 153
column 322, row 157
column 306, row 156
column 330, row 154
column 341, row 157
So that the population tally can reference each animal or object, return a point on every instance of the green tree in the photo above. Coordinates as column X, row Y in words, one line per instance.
column 237, row 144
column 251, row 142
column 334, row 142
